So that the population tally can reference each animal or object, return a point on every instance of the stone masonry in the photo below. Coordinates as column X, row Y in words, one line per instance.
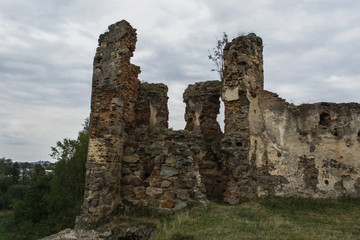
column 269, row 147
column 114, row 94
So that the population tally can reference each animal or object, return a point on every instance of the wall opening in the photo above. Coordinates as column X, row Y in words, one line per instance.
column 176, row 105
column 221, row 116
column 324, row 119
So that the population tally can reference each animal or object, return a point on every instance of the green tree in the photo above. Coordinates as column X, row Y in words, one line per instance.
column 52, row 201
column 217, row 55
column 15, row 172
column 67, row 186
column 5, row 166
column 35, row 204
column 37, row 172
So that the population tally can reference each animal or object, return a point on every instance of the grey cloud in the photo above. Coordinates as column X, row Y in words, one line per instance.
column 310, row 54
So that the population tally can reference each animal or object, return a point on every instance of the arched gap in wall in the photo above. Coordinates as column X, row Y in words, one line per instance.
column 176, row 105
column 221, row 116
column 324, row 119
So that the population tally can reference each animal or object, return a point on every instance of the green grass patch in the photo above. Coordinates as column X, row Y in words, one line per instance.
column 266, row 219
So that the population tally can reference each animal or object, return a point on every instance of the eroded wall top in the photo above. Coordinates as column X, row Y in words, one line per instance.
column 269, row 148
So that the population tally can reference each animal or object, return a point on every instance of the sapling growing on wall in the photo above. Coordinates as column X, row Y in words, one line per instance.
column 217, row 55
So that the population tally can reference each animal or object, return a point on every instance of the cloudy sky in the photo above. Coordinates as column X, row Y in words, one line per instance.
column 311, row 54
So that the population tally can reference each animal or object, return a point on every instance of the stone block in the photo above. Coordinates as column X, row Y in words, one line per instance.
column 180, row 205
column 169, row 195
column 154, row 192
column 131, row 159
column 168, row 171
column 139, row 192
column 167, row 204
column 131, row 180
column 183, row 194
column 165, row 184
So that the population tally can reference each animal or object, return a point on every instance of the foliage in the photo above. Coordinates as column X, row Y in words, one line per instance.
column 34, row 206
column 5, row 166
column 45, row 203
column 15, row 172
column 67, row 186
column 17, row 191
column 38, row 172
column 217, row 55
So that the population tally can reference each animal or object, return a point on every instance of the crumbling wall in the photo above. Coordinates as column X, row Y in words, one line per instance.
column 151, row 106
column 160, row 169
column 202, row 107
column 269, row 147
column 313, row 147
column 132, row 156
column 274, row 148
column 114, row 94
column 243, row 77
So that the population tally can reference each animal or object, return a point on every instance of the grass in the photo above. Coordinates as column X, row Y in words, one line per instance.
column 260, row 219
column 266, row 219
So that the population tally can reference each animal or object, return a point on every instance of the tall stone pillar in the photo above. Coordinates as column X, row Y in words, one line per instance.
column 243, row 75
column 243, row 78
column 114, row 93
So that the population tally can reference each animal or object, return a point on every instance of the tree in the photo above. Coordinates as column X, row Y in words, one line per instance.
column 5, row 166
column 15, row 172
column 37, row 172
column 67, row 186
column 217, row 55
column 53, row 200
column 34, row 207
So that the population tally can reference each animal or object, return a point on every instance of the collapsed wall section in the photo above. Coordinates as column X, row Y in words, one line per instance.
column 151, row 107
column 202, row 107
column 114, row 94
column 160, row 168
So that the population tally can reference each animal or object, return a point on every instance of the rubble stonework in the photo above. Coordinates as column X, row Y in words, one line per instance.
column 202, row 107
column 269, row 147
column 151, row 107
column 114, row 94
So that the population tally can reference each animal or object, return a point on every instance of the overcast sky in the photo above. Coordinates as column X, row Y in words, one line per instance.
column 311, row 54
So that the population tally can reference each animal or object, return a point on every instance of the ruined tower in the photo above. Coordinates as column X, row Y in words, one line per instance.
column 114, row 94
column 243, row 77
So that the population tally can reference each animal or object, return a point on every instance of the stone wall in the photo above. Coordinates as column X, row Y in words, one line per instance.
column 151, row 107
column 114, row 94
column 269, row 147
column 306, row 151
column 274, row 148
column 202, row 107
column 160, row 169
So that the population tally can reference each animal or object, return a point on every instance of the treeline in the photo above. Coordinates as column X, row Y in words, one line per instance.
column 45, row 202
column 15, row 178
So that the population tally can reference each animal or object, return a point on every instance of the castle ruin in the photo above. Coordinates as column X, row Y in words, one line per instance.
column 269, row 147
